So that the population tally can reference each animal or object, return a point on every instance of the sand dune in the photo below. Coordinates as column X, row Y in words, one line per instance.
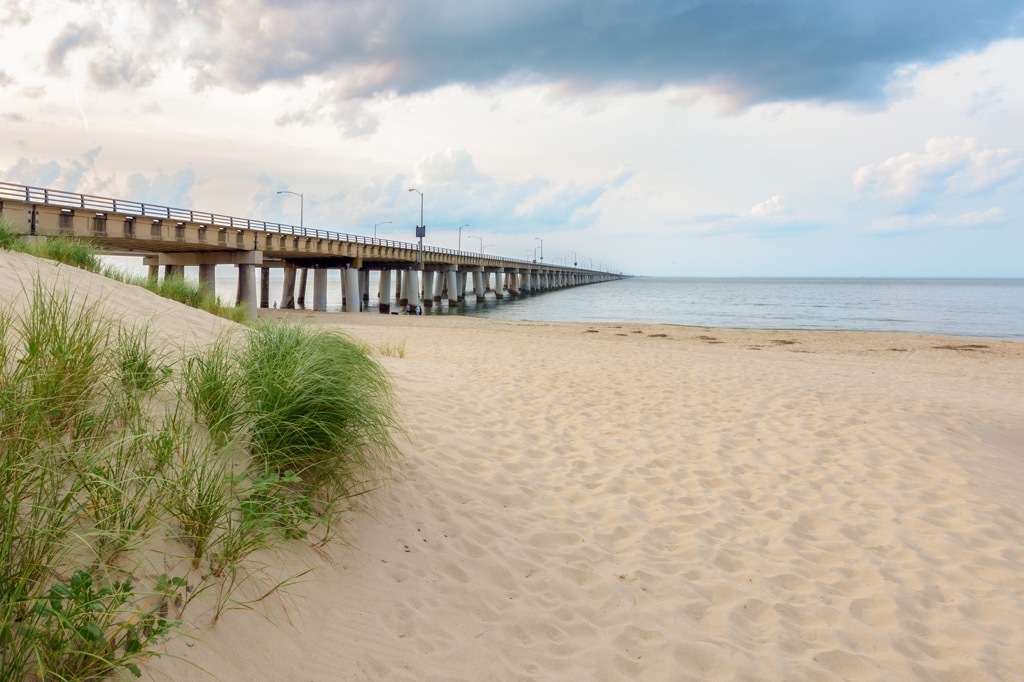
column 612, row 502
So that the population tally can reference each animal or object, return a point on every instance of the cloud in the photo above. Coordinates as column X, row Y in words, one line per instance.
column 5, row 79
column 755, row 52
column 166, row 189
column 112, row 70
column 958, row 165
column 747, row 52
column 82, row 174
column 770, row 208
column 768, row 218
column 13, row 15
column 71, row 37
column 68, row 175
column 916, row 223
column 456, row 192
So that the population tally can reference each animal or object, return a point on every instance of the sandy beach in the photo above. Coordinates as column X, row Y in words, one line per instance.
column 634, row 502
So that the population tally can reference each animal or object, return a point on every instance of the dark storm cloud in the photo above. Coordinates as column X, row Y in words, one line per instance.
column 750, row 50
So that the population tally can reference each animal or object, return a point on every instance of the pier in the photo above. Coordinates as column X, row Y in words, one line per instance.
column 175, row 238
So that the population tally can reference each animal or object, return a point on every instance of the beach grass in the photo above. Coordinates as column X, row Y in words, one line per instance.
column 83, row 255
column 321, row 408
column 113, row 454
column 61, row 249
column 392, row 349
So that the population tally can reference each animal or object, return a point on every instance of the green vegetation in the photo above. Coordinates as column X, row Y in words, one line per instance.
column 394, row 349
column 323, row 410
column 115, row 459
column 82, row 255
column 61, row 249
column 179, row 289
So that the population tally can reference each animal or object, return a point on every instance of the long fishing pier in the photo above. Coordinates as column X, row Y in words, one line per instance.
column 175, row 238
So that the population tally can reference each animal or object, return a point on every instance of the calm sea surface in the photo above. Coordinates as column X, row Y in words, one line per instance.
column 992, row 308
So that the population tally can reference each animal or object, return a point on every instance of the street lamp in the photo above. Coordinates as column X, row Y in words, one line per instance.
column 421, row 229
column 460, row 235
column 541, row 248
column 574, row 259
column 302, row 201
column 470, row 236
column 386, row 222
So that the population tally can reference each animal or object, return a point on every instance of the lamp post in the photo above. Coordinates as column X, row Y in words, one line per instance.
column 302, row 201
column 541, row 248
column 471, row 236
column 386, row 222
column 574, row 259
column 460, row 235
column 421, row 229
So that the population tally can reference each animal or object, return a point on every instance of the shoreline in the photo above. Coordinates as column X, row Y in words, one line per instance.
column 262, row 312
column 837, row 341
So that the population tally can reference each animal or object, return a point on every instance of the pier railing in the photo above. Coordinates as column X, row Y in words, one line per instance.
column 74, row 200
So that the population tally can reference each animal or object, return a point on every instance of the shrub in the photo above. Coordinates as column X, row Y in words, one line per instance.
column 321, row 407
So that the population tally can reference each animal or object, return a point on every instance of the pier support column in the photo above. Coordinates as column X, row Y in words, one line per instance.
column 438, row 287
column 351, row 290
column 154, row 272
column 264, row 287
column 384, row 298
column 247, row 289
column 414, row 287
column 403, row 288
column 300, row 300
column 288, row 289
column 453, row 286
column 320, row 289
column 499, row 284
column 174, row 271
column 428, row 288
column 208, row 278
column 364, row 286
column 480, row 285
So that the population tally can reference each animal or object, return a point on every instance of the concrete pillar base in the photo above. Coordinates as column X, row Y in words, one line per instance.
column 352, row 290
column 320, row 290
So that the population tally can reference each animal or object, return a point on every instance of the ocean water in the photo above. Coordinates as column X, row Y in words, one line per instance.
column 990, row 308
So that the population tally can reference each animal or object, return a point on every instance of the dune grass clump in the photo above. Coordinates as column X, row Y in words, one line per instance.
column 392, row 349
column 313, row 407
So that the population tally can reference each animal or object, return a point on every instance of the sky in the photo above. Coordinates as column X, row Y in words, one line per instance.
column 739, row 138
